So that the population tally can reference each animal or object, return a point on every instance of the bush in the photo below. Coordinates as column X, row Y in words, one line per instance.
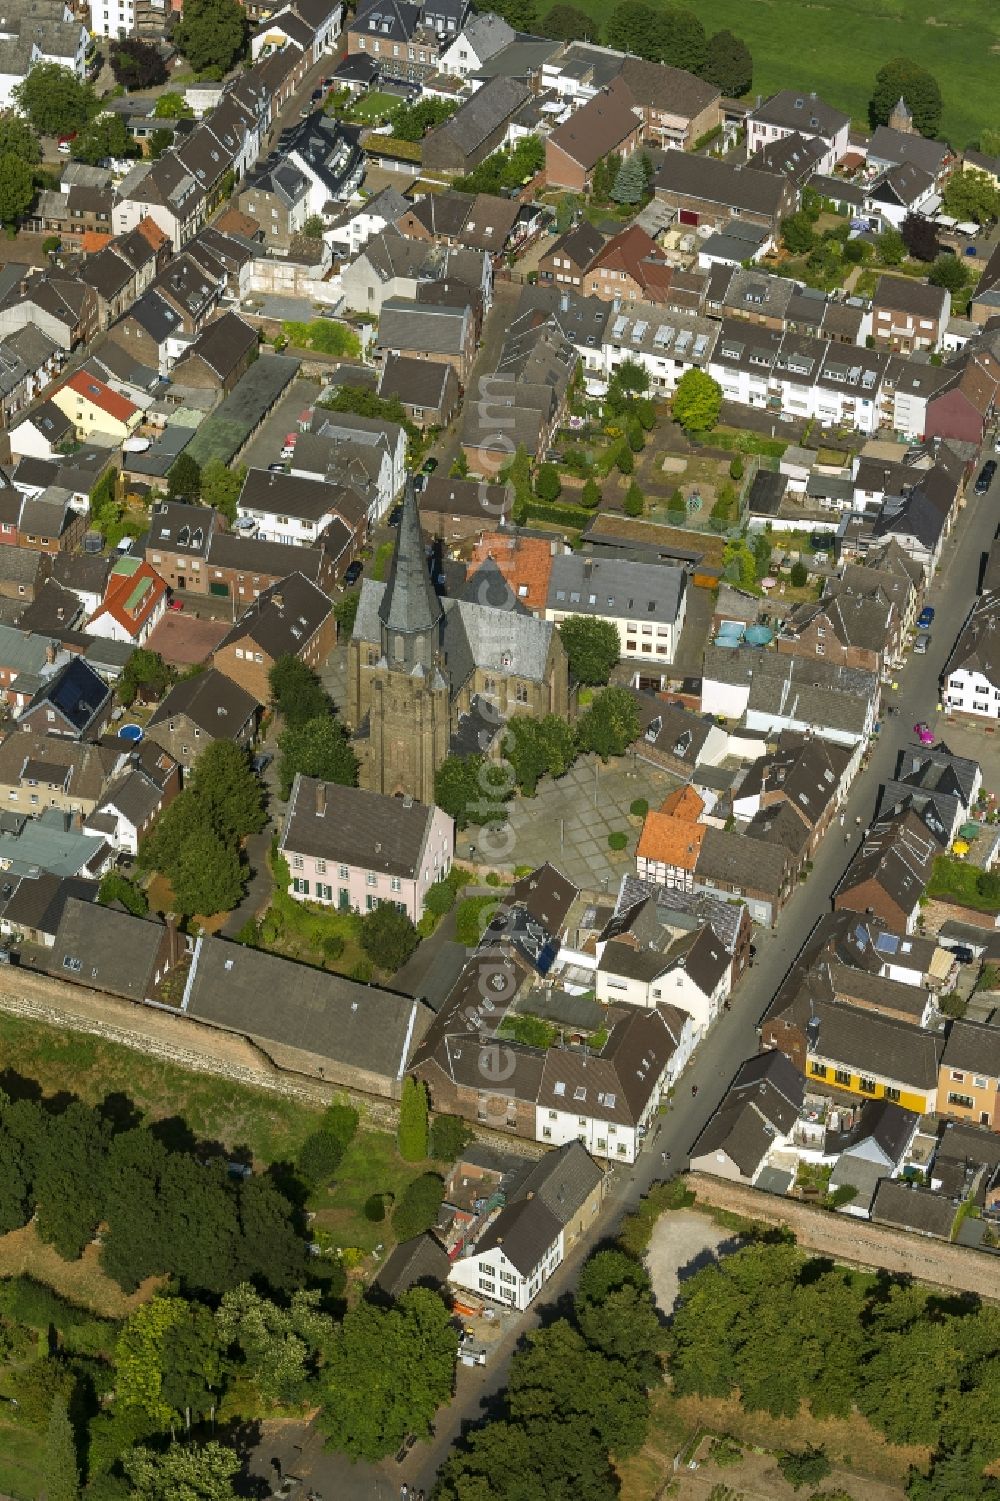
column 639, row 808
column 736, row 468
column 375, row 1209
column 799, row 575
column 634, row 503
column 449, row 1135
column 807, row 1467
column 617, row 840
column 548, row 486
column 320, row 1155
column 418, row 1205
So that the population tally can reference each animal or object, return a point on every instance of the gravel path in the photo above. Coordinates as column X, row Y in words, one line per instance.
column 682, row 1243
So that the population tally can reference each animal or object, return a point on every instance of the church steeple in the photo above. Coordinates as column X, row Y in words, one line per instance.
column 410, row 610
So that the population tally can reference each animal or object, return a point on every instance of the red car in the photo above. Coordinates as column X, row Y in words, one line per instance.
column 176, row 604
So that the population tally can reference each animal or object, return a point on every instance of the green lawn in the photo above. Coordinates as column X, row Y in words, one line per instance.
column 60, row 1060
column 371, row 1165
column 837, row 49
column 373, row 109
column 22, row 1453
column 953, row 880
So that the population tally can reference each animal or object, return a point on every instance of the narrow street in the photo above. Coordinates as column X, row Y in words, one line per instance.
column 733, row 1038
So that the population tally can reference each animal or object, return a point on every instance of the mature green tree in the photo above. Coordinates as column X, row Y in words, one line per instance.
column 592, row 646
column 417, row 1206
column 106, row 135
column 271, row 1251
column 590, row 495
column 137, row 64
column 629, row 185
column 449, row 1134
column 212, row 35
column 55, row 100
column 566, row 23
column 697, row 402
column 614, row 1311
column 133, row 1177
column 22, row 1135
column 559, row 1378
column 797, row 233
column 411, row 122
column 630, row 379
column 275, row 1356
column 949, row 272
column 507, row 1462
column 521, row 14
column 18, row 138
column 296, row 692
column 548, row 485
column 624, row 460
column 228, row 794
column 728, row 64
column 68, row 1180
column 345, row 610
column 889, row 247
column 972, row 195
column 17, row 188
column 901, row 78
column 317, row 748
column 145, row 675
column 208, row 877
column 159, row 142
column 634, row 503
column 221, row 486
column 61, row 1470
column 184, row 478
column 459, row 789
column 799, row 575
column 319, row 1157
column 191, row 1356
column 386, row 1374
column 184, row 1472
column 679, row 38
column 116, row 887
column 632, row 28
column 411, row 1134
column 388, row 936
column 162, row 847
column 955, row 1476
column 172, row 106
column 833, row 1348
column 140, row 1359
column 537, row 748
column 36, row 1385
column 918, row 1366
column 804, row 1466
column 610, row 724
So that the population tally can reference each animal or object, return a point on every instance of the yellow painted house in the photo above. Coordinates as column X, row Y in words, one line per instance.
column 873, row 1057
column 93, row 407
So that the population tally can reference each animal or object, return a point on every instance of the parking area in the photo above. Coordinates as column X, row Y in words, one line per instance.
column 266, row 446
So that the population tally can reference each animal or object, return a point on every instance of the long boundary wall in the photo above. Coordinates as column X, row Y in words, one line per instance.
column 857, row 1242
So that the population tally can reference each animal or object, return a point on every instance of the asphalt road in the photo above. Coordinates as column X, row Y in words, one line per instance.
column 732, row 1039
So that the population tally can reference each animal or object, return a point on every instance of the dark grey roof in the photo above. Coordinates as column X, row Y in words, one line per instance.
column 257, row 556
column 39, row 903
column 289, row 494
column 211, row 701
column 583, row 585
column 221, row 345
column 419, row 1262
column 974, row 1046
column 873, row 1044
column 357, row 827
column 888, row 1125
column 719, row 182
column 563, row 1180
column 904, row 294
column 106, row 949
column 445, row 496
column 763, row 1101
column 76, row 693
column 910, row 1208
column 891, row 146
column 803, row 112
column 325, row 1015
column 409, row 603
column 415, row 382
column 748, row 864
column 524, row 1231
column 489, row 107
column 175, row 526
column 283, row 619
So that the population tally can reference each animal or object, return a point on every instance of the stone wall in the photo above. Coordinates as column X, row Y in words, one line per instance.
column 857, row 1242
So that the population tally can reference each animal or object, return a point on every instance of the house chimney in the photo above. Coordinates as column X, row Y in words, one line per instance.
column 278, row 600
column 174, row 941
column 320, row 799
column 50, row 652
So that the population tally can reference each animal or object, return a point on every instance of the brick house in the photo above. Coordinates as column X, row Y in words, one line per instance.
column 630, row 267
column 454, row 509
column 850, row 629
column 704, row 190
column 200, row 710
column 677, row 108
column 291, row 618
column 223, row 352
column 572, row 256
column 443, row 335
column 908, row 315
column 890, row 872
column 477, row 128
column 429, row 391
column 607, row 124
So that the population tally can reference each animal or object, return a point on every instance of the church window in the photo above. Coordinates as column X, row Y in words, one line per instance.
column 521, row 693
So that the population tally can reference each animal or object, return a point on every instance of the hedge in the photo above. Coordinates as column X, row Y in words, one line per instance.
column 574, row 516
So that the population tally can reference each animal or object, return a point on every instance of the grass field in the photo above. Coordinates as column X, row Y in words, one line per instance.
column 371, row 1164
column 373, row 109
column 272, row 1127
column 22, row 1455
column 837, row 49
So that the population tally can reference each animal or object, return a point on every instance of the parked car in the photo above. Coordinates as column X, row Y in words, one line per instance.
column 926, row 616
column 986, row 474
column 176, row 604
column 923, row 732
column 395, row 516
column 961, row 951
column 261, row 762
column 276, row 468
column 353, row 572
column 428, row 466
column 921, row 644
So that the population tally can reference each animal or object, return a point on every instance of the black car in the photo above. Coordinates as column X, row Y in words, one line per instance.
column 961, row 951
column 395, row 515
column 353, row 573
column 261, row 762
column 986, row 474
column 428, row 466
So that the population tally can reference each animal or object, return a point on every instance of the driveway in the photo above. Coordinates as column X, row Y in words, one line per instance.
column 266, row 446
column 683, row 1242
column 259, row 890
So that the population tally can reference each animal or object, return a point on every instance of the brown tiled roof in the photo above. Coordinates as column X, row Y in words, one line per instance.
column 602, row 124
column 525, row 563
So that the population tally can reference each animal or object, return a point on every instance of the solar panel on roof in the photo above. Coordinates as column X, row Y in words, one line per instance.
column 887, row 943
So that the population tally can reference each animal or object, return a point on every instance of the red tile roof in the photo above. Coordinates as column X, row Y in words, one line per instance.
column 120, row 590
column 525, row 563
column 639, row 256
column 101, row 395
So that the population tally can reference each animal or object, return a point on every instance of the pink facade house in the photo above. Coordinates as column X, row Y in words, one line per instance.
column 352, row 849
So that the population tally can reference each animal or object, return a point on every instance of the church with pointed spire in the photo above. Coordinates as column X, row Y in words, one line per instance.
column 431, row 676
